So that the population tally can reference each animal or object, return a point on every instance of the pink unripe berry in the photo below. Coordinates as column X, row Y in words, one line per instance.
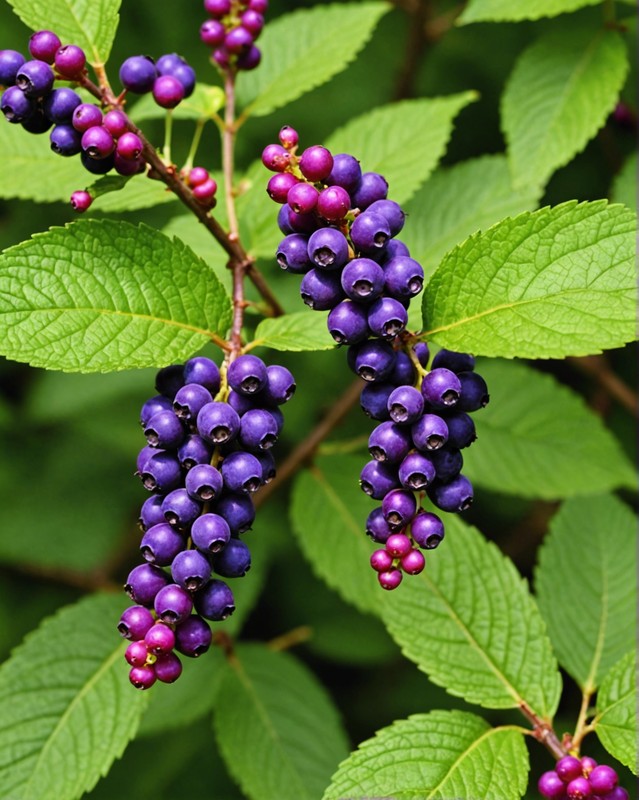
column 551, row 786
column 81, row 201
column 238, row 40
column 280, row 185
column 289, row 137
column 85, row 116
column 333, row 203
column 302, row 198
column 205, row 191
column 43, row 45
column 70, row 61
column 160, row 639
column 129, row 146
column 316, row 163
column 568, row 768
column 579, row 788
column 587, row 765
column 197, row 176
column 253, row 22
column 381, row 561
column 115, row 122
column 136, row 654
column 275, row 158
column 217, row 8
column 212, row 32
column 413, row 562
column 390, row 579
column 260, row 6
column 168, row 91
column 603, row 779
column 142, row 677
column 221, row 57
column 398, row 545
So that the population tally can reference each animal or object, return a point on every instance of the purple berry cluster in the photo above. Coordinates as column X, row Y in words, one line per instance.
column 209, row 439
column 581, row 778
column 169, row 79
column 340, row 234
column 231, row 31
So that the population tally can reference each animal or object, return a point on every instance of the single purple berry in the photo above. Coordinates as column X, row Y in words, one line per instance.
column 173, row 604
column 454, row 496
column 97, row 142
column 215, row 601
column 65, row 140
column 374, row 400
column 461, row 430
column 405, row 405
column 253, row 21
column 161, row 473
column 193, row 636
column 602, row 778
column 35, row 78
column 10, row 63
column 144, row 582
column 238, row 40
column 348, row 323
column 551, row 786
column 116, row 122
column 328, row 249
column 403, row 373
column 377, row 527
column 277, row 158
column 441, row 388
column 399, row 507
column 247, row 374
column 237, row 510
column 363, row 280
column 168, row 668
column 292, row 254
column 136, row 654
column 161, row 543
column 164, row 430
column 210, row 533
column 390, row 579
column 180, row 509
column 280, row 386
column 371, row 187
column 302, row 198
column 138, row 74
column 587, row 765
column 142, row 677
column 429, row 432
column 416, row 472
column 185, row 74
column 474, row 392
column 16, row 106
column 70, row 61
column 370, row 232
column 280, row 185
column 169, row 379
column 387, row 317
column 392, row 213
column 372, row 360
column 189, row 401
column 151, row 512
column 152, row 406
column 85, row 116
column 212, row 32
column 346, row 172
column 260, row 6
column 218, row 423
column 203, row 482
column 403, row 277
column 194, row 450
column 129, row 146
column 159, row 638
column 217, row 8
column 454, row 361
column 333, row 203
column 422, row 352
column 167, row 91
column 389, row 442
column 579, row 789
column 321, row 290
column 190, row 569
column 381, row 560
column 448, row 462
column 258, row 430
column 204, row 371
column 241, row 472
column 316, row 163
column 413, row 562
column 60, row 104
column 568, row 768
column 135, row 622
column 234, row 560
column 377, row 479
column 427, row 530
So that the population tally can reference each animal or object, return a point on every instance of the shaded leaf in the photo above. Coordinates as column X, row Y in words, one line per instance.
column 616, row 720
column 66, row 704
column 115, row 194
column 555, row 282
column 436, row 756
column 203, row 104
column 294, row 332
column 100, row 296
column 624, row 187
column 507, row 11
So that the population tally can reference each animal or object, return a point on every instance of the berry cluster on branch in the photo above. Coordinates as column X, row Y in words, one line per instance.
column 232, row 30
column 340, row 234
column 581, row 779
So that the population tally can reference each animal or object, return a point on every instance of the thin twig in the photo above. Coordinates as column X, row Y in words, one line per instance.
column 543, row 732
column 290, row 639
column 598, row 368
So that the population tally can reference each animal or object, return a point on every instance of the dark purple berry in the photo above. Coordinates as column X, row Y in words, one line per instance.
column 203, row 371
column 65, row 140
column 422, row 352
column 346, row 172
column 189, row 401
column 399, row 508
column 394, row 248
column 377, row 479
column 60, row 104
column 250, row 59
column 85, row 116
column 180, row 509
column 280, row 386
column 203, row 482
column 405, row 405
column 404, row 277
column 441, row 388
column 267, row 462
column 169, row 379
column 215, row 601
column 427, row 530
column 474, row 392
column 210, row 533
column 316, row 163
column 328, row 248
column 127, row 167
column 152, row 406
column 258, row 430
column 348, row 323
column 387, row 317
column 190, row 569
column 97, row 166
column 241, row 472
column 448, row 462
column 371, row 187
column 35, row 78
column 194, row 450
column 218, row 423
column 461, row 430
column 168, row 668
column 370, row 232
column 363, row 280
column 247, row 374
column 193, row 636
column 135, row 622
column 456, row 362
column 173, row 604
column 10, row 63
column 377, row 527
column 16, row 106
column 372, row 360
column 237, row 510
column 164, row 430
column 389, row 442
column 138, row 74
column 454, row 496
column 429, row 433
column 374, row 400
column 416, row 472
column 392, row 213
column 292, row 254
column 144, row 582
column 143, row 456
column 161, row 543
column 185, row 74
column 238, row 40
column 151, row 512
column 234, row 561
column 321, row 290
column 403, row 373
column 70, row 61
column 161, row 473
column 38, row 122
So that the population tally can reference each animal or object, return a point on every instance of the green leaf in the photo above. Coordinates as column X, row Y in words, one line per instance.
column 616, row 720
column 294, row 332
column 384, row 140
column 555, row 282
column 116, row 194
column 258, row 214
column 66, row 704
column 586, row 585
column 304, row 49
column 436, row 756
column 190, row 230
column 328, row 514
column 91, row 24
column 450, row 620
column 202, row 105
column 560, row 93
column 102, row 296
column 457, row 201
column 624, row 188
column 277, row 729
column 31, row 171
column 507, row 11
column 538, row 438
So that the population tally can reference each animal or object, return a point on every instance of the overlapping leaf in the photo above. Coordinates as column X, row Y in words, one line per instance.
column 555, row 282
column 507, row 11
column 66, row 704
column 436, row 756
column 616, row 720
column 624, row 188
column 294, row 332
column 100, row 296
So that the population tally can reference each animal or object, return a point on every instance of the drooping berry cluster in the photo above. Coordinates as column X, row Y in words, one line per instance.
column 340, row 234
column 581, row 778
column 209, row 439
column 231, row 31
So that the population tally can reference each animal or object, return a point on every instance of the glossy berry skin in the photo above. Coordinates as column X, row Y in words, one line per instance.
column 474, row 392
column 578, row 789
column 416, row 472
column 210, row 533
column 70, row 61
column 205, row 192
column 142, row 677
column 280, row 185
column 551, row 786
column 10, row 63
column 185, row 74
column 392, row 213
column 16, row 106
column 405, row 405
column 215, row 601
column 374, row 400
column 35, row 78
column 602, row 779
column 152, row 406
column 204, row 371
column 403, row 373
column 97, row 142
column 136, row 654
column 398, row 508
column 247, row 374
column 346, row 172
column 377, row 527
column 203, row 482
column 193, row 637
column 238, row 40
column 362, row 280
column 217, row 8
column 60, row 104
column 179, row 509
column 422, row 351
column 277, row 158
column 316, row 163
column 189, row 401
column 85, row 116
column 390, row 579
column 371, row 187
column 135, row 622
column 288, row 136
column 369, row 233
column 116, row 123
column 429, row 433
column 389, row 443
column 302, row 198
column 448, row 462
column 280, row 386
column 387, row 317
column 381, row 560
column 373, row 360
column 164, row 430
column 333, row 203
column 173, row 604
column 65, row 140
column 568, row 768
column 161, row 473
column 218, row 423
column 38, row 122
column 348, row 323
column 43, row 45
column 168, row 92
column 234, row 561
column 237, row 510
column 190, row 569
column 427, row 530
column 169, row 379
column 321, row 290
column 328, row 248
column 194, row 450
column 212, row 32
column 258, row 430
column 159, row 638
column 138, row 74
column 160, row 544
column 151, row 512
column 129, row 146
column 454, row 496
column 167, row 668
column 441, row 388
column 292, row 254
column 403, row 277
column 377, row 479
column 241, row 472
column 144, row 582
column 413, row 562
column 454, row 361
column 461, row 430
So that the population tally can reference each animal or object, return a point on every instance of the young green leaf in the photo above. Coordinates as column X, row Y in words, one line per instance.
column 586, row 586
column 555, row 282
column 102, row 296
column 277, row 729
column 30, row 171
column 384, row 140
column 66, row 704
column 436, row 756
column 90, row 24
column 113, row 193
column 540, row 439
column 305, row 49
column 507, row 11
column 202, row 105
column 457, row 201
column 624, row 188
column 561, row 91
column 295, row 332
column 616, row 720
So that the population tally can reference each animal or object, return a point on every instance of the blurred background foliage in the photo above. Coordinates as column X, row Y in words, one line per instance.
column 69, row 499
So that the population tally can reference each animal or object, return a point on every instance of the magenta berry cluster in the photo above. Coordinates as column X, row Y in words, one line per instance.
column 169, row 79
column 231, row 31
column 581, row 779
column 209, row 439
column 202, row 185
column 340, row 235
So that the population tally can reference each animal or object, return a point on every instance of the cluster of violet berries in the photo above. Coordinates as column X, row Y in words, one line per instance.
column 340, row 234
column 209, row 439
column 231, row 31
column 581, row 779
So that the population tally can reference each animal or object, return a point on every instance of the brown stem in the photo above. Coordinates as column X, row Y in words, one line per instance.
column 305, row 450
column 598, row 368
column 290, row 639
column 543, row 732
column 415, row 46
